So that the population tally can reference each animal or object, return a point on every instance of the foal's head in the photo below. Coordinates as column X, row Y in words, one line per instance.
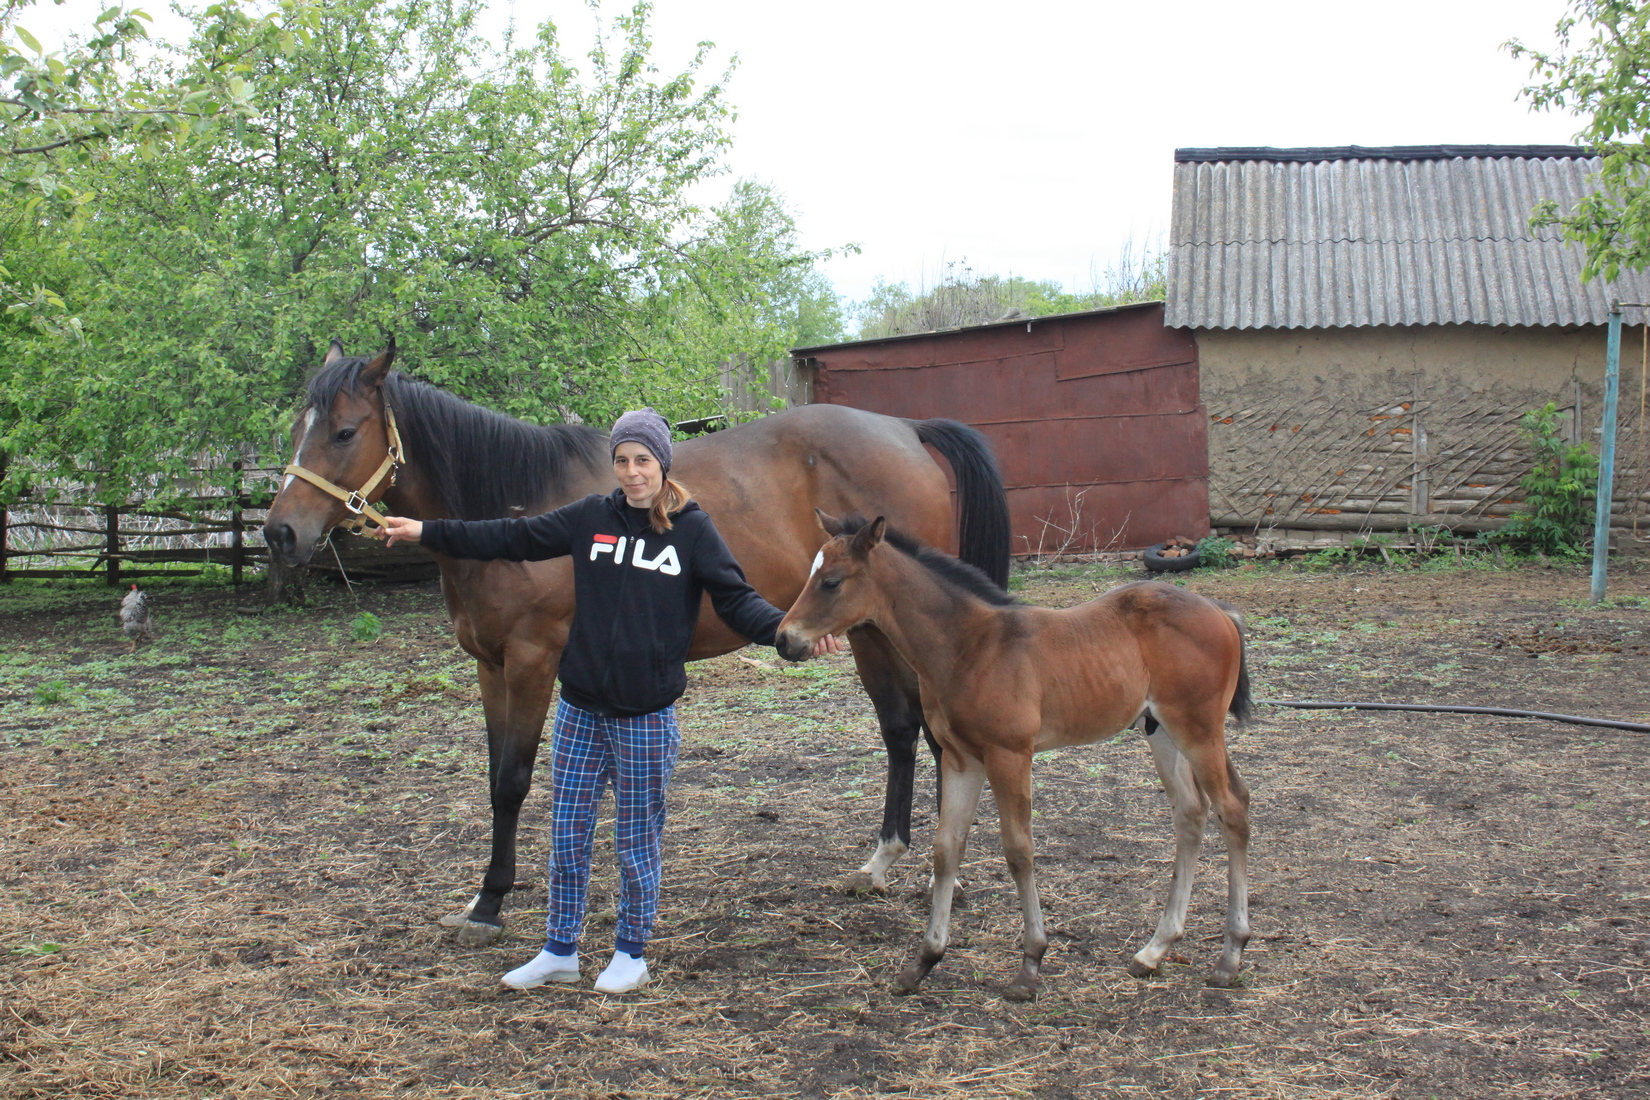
column 340, row 435
column 839, row 594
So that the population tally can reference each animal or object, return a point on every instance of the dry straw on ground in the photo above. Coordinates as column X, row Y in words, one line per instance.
column 225, row 854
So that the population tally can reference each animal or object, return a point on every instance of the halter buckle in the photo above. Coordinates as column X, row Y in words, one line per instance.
column 354, row 503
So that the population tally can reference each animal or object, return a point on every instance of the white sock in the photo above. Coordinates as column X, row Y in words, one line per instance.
column 623, row 974
column 542, row 968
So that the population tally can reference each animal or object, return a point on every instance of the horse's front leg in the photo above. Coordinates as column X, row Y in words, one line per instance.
column 512, row 749
column 1010, row 775
column 961, row 779
column 892, row 686
column 493, row 707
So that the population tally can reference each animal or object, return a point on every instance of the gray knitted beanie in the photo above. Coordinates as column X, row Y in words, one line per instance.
column 646, row 427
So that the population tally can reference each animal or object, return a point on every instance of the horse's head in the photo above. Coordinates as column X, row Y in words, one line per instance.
column 840, row 593
column 342, row 436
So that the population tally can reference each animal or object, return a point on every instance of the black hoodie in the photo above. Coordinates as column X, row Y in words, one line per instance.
column 638, row 593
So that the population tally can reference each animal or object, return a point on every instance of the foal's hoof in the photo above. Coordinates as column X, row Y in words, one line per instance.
column 1020, row 992
column 474, row 933
column 860, row 883
column 1223, row 979
column 908, row 982
column 1138, row 969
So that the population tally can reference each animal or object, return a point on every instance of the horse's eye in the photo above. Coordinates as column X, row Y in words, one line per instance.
column 830, row 584
column 344, row 436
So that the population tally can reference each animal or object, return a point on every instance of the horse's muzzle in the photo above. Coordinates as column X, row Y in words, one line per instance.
column 284, row 546
column 791, row 647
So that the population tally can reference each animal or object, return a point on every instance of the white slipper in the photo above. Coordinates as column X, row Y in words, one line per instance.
column 623, row 974
column 543, row 968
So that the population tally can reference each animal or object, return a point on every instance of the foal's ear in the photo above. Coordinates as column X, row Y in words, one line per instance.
column 373, row 373
column 828, row 523
column 868, row 537
column 335, row 352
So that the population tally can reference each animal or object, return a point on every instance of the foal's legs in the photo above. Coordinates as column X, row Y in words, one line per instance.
column 1010, row 775
column 961, row 780
column 1203, row 777
column 1190, row 810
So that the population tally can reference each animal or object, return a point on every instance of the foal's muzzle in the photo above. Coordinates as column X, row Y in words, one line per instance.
column 791, row 647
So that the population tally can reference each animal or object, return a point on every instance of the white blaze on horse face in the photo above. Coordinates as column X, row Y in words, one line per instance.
column 303, row 433
column 819, row 559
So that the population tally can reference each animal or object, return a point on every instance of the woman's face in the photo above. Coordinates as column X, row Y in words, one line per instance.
column 639, row 473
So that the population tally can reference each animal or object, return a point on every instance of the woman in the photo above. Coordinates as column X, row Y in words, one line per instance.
column 642, row 558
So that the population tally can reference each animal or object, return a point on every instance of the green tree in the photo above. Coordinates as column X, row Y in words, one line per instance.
column 522, row 224
column 1601, row 72
column 965, row 297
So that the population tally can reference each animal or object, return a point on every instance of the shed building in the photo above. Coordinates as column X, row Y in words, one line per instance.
column 1094, row 417
column 1372, row 323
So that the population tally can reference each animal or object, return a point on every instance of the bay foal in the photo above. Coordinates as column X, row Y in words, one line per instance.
column 1002, row 681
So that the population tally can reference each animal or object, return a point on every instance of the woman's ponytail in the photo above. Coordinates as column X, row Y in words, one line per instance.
column 673, row 497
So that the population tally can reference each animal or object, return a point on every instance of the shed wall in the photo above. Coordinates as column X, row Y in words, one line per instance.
column 1383, row 427
column 1095, row 418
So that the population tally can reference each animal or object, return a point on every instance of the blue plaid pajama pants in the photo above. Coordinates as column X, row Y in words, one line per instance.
column 637, row 756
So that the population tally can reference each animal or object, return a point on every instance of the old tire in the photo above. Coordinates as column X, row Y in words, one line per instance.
column 1157, row 563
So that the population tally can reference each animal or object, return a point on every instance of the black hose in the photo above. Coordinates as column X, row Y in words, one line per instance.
column 1504, row 712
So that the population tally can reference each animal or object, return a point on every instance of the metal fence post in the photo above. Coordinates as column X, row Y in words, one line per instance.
column 1606, row 454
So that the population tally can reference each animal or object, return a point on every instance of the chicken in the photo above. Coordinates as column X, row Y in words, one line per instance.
column 135, row 620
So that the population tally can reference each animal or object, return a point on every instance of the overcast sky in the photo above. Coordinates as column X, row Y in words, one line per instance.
column 1036, row 138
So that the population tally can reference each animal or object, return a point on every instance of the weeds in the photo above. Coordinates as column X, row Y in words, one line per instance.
column 366, row 627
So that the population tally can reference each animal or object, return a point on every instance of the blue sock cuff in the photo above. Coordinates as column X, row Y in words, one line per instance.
column 633, row 948
column 558, row 947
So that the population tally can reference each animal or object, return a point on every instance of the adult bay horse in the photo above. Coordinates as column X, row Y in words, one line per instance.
column 369, row 432
column 1002, row 681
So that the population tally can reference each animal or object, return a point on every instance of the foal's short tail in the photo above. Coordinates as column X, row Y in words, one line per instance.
column 982, row 505
column 1242, row 705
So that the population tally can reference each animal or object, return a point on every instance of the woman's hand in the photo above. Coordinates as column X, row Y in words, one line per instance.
column 397, row 530
column 828, row 643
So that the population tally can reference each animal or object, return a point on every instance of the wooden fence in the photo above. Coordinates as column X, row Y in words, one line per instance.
column 217, row 525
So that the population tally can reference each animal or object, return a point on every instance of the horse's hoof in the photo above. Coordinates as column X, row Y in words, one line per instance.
column 1138, row 969
column 1222, row 979
column 459, row 916
column 1020, row 992
column 908, row 983
column 473, row 933
column 860, row 883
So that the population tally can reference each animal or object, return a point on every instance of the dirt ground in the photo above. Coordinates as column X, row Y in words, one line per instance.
column 225, row 856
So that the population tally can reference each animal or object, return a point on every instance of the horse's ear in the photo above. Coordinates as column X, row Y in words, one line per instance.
column 828, row 523
column 373, row 373
column 868, row 536
column 335, row 352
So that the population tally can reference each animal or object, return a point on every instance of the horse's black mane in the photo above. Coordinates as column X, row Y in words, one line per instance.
column 481, row 463
column 953, row 571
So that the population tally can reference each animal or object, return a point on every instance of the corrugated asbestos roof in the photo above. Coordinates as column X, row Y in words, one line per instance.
column 1291, row 242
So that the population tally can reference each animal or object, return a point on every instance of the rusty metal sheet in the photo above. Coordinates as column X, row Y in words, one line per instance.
column 1116, row 424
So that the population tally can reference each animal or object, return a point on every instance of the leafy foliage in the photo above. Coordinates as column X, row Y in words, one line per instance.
column 1215, row 552
column 524, row 226
column 965, row 297
column 1558, row 490
column 1601, row 71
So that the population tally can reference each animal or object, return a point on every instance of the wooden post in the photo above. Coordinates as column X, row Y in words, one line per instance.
column 111, row 524
column 237, row 550
column 5, row 574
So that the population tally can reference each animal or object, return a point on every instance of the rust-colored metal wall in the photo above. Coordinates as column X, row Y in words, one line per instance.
column 1095, row 417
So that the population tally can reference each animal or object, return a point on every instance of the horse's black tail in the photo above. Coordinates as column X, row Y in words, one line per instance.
column 982, row 505
column 1242, row 705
